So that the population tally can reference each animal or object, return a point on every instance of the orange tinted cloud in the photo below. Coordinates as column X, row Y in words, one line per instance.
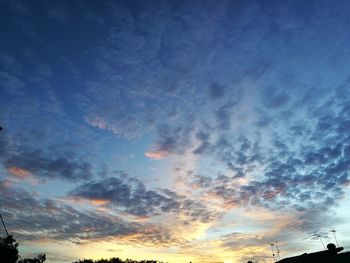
column 5, row 184
column 99, row 201
column 19, row 172
column 157, row 155
column 78, row 200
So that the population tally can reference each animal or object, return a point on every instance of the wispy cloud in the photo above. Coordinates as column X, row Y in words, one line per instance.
column 19, row 172
column 157, row 155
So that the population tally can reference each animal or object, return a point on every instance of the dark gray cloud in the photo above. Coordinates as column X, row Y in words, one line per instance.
column 290, row 183
column 203, row 137
column 273, row 98
column 47, row 218
column 40, row 164
column 175, row 139
column 216, row 91
column 132, row 196
column 223, row 116
column 30, row 217
column 45, row 165
column 199, row 181
column 296, row 157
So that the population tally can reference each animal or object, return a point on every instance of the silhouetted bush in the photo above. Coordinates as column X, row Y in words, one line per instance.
column 8, row 250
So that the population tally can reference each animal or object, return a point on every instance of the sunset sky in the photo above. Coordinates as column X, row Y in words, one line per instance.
column 174, row 130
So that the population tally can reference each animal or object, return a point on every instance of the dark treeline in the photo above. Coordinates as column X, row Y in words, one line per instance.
column 9, row 254
column 116, row 260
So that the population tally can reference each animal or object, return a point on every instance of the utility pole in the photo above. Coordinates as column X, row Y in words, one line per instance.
column 3, row 223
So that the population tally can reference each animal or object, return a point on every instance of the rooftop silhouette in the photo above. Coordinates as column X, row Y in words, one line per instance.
column 331, row 255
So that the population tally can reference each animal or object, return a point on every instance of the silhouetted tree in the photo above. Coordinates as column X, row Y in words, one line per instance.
column 8, row 250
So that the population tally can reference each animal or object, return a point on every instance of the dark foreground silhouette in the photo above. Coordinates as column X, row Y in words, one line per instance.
column 9, row 252
column 116, row 260
column 325, row 256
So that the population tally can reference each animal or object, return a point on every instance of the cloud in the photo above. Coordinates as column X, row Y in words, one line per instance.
column 157, row 155
column 11, row 84
column 293, row 159
column 273, row 97
column 170, row 71
column 60, row 13
column 280, row 176
column 97, row 122
column 19, row 172
column 9, row 63
column 224, row 115
column 18, row 6
column 132, row 196
column 53, row 220
column 204, row 142
column 25, row 162
column 58, row 167
column 246, row 90
column 216, row 91
column 31, row 217
column 174, row 139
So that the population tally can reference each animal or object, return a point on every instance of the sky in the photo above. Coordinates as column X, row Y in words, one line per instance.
column 174, row 130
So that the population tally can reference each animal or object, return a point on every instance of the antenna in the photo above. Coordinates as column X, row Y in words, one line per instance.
column 3, row 223
column 253, row 254
column 273, row 251
column 278, row 251
column 319, row 236
column 335, row 237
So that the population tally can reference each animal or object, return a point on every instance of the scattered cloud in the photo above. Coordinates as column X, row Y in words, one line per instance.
column 11, row 84
column 131, row 196
column 60, row 13
column 19, row 172
column 35, row 162
column 249, row 103
column 157, row 155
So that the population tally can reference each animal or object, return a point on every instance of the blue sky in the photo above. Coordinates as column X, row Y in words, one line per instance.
column 175, row 130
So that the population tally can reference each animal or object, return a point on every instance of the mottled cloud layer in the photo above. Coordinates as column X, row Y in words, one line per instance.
column 32, row 218
column 202, row 129
column 133, row 197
